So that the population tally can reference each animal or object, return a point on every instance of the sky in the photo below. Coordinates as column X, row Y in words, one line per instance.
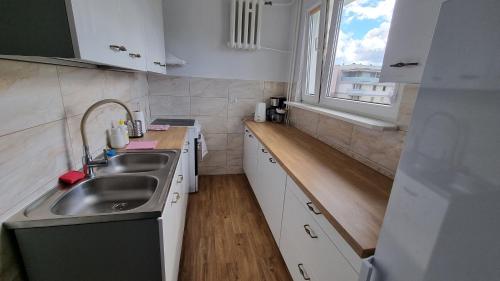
column 363, row 32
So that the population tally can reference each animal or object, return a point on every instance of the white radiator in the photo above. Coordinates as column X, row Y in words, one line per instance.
column 244, row 28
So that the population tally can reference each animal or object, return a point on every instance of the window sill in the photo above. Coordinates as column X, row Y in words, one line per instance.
column 359, row 120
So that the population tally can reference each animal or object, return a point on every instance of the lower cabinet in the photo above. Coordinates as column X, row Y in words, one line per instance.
column 311, row 247
column 172, row 224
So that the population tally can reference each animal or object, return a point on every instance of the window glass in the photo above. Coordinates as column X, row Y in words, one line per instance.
column 312, row 50
column 362, row 38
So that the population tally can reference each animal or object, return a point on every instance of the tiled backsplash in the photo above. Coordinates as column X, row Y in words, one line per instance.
column 220, row 106
column 41, row 107
column 380, row 150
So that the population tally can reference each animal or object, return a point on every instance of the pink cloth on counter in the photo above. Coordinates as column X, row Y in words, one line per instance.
column 142, row 145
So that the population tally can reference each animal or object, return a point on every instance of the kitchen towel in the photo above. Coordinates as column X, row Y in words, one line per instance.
column 204, row 149
column 142, row 145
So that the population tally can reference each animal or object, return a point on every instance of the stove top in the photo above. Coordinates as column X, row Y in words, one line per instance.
column 174, row 122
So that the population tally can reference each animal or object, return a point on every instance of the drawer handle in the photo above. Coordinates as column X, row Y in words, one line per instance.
column 246, row 130
column 134, row 56
column 186, row 150
column 180, row 178
column 177, row 197
column 403, row 64
column 311, row 207
column 250, row 136
column 272, row 161
column 303, row 272
column 263, row 150
column 159, row 63
column 309, row 231
column 118, row 48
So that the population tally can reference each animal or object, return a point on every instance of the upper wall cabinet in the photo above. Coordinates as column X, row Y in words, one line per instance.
column 155, row 37
column 409, row 41
column 103, row 32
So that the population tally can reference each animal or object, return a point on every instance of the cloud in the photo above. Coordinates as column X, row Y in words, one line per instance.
column 369, row 10
column 369, row 49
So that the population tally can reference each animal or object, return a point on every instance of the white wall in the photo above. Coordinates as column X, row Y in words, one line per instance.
column 198, row 30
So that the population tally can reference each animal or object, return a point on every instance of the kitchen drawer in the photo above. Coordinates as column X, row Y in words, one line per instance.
column 325, row 225
column 304, row 243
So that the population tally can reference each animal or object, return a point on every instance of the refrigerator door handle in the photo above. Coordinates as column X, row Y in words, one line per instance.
column 365, row 274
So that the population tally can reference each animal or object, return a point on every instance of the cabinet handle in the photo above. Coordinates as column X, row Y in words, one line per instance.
column 134, row 55
column 263, row 150
column 118, row 48
column 311, row 207
column 250, row 136
column 303, row 272
column 186, row 150
column 246, row 130
column 177, row 197
column 271, row 160
column 403, row 64
column 309, row 231
column 159, row 63
column 180, row 178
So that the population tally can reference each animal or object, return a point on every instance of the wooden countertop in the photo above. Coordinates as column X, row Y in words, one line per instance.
column 352, row 196
column 173, row 138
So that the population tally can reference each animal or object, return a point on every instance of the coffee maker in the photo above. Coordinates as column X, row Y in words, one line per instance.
column 276, row 112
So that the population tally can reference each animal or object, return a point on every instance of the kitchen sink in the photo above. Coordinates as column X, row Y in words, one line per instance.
column 106, row 195
column 135, row 163
column 133, row 185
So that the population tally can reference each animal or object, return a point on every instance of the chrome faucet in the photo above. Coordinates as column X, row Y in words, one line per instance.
column 88, row 163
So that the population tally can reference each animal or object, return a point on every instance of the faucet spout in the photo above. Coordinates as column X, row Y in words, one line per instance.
column 87, row 157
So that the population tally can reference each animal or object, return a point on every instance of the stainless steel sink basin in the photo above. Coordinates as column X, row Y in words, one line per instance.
column 106, row 195
column 135, row 163
column 134, row 185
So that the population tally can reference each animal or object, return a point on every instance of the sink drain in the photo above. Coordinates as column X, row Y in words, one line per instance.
column 119, row 206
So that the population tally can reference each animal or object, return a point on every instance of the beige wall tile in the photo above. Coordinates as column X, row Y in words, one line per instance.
column 215, row 170
column 246, row 89
column 233, row 170
column 169, row 105
column 29, row 95
column 160, row 85
column 382, row 147
column 305, row 121
column 214, row 88
column 212, row 124
column 274, row 89
column 235, row 158
column 80, row 88
column 118, row 85
column 242, row 108
column 214, row 159
column 334, row 131
column 216, row 141
column 235, row 125
column 208, row 106
column 30, row 159
column 235, row 142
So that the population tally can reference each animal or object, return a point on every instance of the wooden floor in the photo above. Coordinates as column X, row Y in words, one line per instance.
column 226, row 235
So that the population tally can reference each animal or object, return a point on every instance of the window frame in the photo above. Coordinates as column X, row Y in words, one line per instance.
column 307, row 8
column 324, row 72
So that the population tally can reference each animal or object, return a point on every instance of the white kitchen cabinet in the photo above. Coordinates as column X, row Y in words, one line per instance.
column 155, row 37
column 250, row 147
column 172, row 223
column 308, row 251
column 109, row 32
column 270, row 190
column 409, row 40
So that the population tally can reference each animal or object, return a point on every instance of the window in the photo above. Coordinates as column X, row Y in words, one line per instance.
column 347, row 70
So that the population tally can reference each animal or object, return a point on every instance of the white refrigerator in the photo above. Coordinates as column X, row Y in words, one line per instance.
column 443, row 218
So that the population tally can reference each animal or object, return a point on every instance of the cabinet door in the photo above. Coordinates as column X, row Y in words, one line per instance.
column 132, row 18
column 96, row 31
column 304, row 242
column 155, row 36
column 410, row 38
column 271, row 190
column 250, row 147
